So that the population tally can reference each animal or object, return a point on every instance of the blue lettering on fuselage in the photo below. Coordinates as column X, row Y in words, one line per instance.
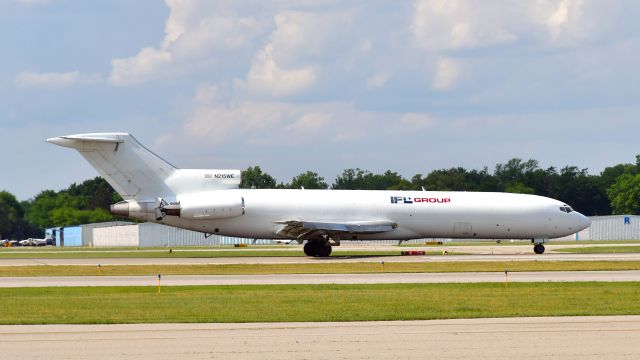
column 401, row 200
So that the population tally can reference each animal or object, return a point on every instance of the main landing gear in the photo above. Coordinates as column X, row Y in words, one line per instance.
column 317, row 248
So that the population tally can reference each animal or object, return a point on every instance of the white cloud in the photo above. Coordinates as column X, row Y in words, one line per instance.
column 286, row 65
column 268, row 78
column 309, row 124
column 31, row 2
column 377, row 80
column 418, row 120
column 453, row 25
column 197, row 37
column 220, row 121
column 461, row 24
column 447, row 72
column 564, row 20
column 312, row 36
column 29, row 79
column 214, row 34
column 138, row 68
column 208, row 94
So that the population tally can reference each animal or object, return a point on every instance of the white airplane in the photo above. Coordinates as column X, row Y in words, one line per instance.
column 210, row 201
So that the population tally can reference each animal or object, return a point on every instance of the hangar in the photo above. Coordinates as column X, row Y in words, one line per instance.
column 122, row 233
column 615, row 227
column 80, row 235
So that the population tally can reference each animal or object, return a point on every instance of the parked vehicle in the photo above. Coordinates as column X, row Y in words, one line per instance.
column 26, row 242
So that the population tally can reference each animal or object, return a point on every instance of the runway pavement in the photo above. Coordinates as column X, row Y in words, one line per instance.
column 375, row 278
column 332, row 259
column 615, row 337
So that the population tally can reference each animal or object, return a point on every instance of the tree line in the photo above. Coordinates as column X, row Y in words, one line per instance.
column 87, row 202
column 616, row 190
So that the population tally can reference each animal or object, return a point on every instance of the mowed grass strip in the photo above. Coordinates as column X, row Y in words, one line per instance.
column 284, row 303
column 315, row 268
column 602, row 250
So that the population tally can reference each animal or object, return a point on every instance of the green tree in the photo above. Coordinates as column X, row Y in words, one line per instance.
column 456, row 179
column 610, row 174
column 80, row 203
column 66, row 216
column 625, row 195
column 351, row 179
column 581, row 190
column 96, row 192
column 519, row 188
column 308, row 180
column 390, row 180
column 358, row 179
column 514, row 170
column 11, row 214
column 253, row 177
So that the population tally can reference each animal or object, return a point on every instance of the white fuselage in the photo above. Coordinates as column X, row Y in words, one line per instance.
column 210, row 201
column 418, row 214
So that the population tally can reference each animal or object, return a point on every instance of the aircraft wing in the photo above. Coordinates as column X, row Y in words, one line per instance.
column 300, row 229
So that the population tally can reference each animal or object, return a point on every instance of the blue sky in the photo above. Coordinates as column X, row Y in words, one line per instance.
column 292, row 86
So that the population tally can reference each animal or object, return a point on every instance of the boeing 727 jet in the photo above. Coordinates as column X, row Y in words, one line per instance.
column 211, row 202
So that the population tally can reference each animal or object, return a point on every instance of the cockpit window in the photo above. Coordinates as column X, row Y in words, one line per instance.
column 566, row 209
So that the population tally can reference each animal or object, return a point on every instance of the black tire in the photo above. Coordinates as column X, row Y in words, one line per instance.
column 323, row 250
column 310, row 249
column 538, row 249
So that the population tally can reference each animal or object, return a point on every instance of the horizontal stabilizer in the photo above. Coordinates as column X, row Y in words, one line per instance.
column 75, row 141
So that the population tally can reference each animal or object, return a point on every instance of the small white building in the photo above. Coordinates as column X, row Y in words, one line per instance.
column 152, row 234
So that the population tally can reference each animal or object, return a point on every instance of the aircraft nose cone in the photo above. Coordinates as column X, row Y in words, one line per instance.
column 584, row 222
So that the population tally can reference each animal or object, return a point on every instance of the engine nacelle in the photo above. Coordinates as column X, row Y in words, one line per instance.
column 220, row 207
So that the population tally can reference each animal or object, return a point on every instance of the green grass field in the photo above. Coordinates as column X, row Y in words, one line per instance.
column 280, row 303
column 602, row 250
column 316, row 268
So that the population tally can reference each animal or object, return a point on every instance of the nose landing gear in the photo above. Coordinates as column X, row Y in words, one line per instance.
column 538, row 246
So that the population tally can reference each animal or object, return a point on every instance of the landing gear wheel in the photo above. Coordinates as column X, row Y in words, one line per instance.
column 538, row 249
column 317, row 249
column 323, row 250
column 310, row 249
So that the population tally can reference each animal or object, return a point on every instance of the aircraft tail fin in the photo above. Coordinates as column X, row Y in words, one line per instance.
column 132, row 170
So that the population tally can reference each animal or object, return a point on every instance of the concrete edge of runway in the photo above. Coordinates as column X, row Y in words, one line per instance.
column 316, row 279
column 70, row 328
column 307, row 260
column 573, row 338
